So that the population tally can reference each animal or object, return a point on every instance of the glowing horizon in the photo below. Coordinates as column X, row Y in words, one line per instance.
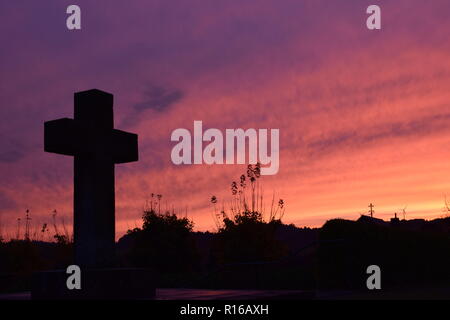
column 363, row 115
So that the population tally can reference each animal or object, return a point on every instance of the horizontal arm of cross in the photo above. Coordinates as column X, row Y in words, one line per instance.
column 60, row 136
column 124, row 146
column 65, row 136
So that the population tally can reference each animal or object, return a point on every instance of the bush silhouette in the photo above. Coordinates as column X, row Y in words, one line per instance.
column 165, row 243
column 246, row 236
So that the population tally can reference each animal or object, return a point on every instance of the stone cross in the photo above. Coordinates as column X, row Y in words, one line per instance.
column 96, row 147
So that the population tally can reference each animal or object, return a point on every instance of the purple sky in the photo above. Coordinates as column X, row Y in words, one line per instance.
column 352, row 105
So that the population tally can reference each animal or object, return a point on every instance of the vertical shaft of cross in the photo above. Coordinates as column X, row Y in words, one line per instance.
column 94, row 217
column 94, row 199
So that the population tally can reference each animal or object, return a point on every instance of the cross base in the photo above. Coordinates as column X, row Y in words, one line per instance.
column 116, row 284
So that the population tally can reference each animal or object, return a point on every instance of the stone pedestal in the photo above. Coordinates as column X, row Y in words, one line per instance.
column 101, row 284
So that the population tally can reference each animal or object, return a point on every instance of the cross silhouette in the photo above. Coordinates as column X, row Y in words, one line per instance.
column 371, row 206
column 96, row 147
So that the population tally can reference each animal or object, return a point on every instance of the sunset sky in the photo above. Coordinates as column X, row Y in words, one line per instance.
column 364, row 116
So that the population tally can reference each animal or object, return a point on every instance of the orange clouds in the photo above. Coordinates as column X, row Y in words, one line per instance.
column 363, row 116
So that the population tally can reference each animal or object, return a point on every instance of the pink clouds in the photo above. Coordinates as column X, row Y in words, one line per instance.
column 362, row 115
